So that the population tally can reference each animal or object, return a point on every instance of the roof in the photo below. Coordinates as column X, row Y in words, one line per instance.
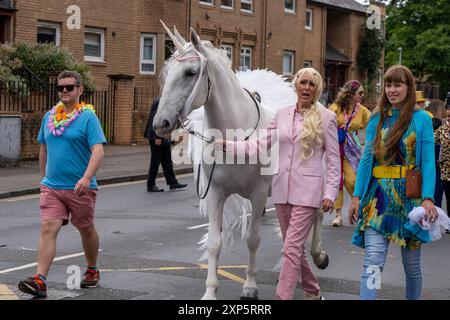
column 344, row 4
column 334, row 55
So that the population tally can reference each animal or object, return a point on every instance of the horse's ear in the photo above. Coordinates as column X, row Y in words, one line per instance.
column 198, row 45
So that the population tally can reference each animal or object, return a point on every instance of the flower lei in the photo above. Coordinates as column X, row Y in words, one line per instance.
column 59, row 119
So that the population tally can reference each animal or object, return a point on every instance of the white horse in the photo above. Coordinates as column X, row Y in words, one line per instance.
column 200, row 75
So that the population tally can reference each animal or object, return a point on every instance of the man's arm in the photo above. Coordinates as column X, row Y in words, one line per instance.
column 83, row 184
column 43, row 159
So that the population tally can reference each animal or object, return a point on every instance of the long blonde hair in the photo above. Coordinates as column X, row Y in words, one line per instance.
column 311, row 133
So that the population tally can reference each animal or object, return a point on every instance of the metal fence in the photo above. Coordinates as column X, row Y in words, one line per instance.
column 143, row 97
column 16, row 98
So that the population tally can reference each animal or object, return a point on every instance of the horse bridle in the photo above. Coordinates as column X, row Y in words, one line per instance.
column 184, row 123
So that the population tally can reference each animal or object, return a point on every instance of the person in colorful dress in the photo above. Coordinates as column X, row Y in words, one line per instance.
column 399, row 136
column 71, row 151
column 352, row 116
column 442, row 137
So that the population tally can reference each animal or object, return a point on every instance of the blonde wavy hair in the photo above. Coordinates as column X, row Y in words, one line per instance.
column 311, row 134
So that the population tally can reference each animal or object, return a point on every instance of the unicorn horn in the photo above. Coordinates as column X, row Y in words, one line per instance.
column 179, row 36
column 177, row 44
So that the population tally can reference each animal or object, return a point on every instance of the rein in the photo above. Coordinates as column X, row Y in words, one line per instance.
column 184, row 124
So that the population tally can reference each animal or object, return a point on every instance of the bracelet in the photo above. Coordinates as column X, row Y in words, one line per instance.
column 428, row 198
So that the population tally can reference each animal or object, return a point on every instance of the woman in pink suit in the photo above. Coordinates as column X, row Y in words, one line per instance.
column 306, row 133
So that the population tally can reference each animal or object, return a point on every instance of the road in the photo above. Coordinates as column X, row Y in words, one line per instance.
column 150, row 252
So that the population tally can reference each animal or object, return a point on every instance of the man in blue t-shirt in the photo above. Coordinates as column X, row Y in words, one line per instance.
column 71, row 151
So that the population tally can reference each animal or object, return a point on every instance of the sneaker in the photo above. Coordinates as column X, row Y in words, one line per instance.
column 34, row 285
column 155, row 189
column 90, row 279
column 447, row 231
column 177, row 186
column 337, row 222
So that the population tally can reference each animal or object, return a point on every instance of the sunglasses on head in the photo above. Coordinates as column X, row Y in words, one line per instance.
column 68, row 87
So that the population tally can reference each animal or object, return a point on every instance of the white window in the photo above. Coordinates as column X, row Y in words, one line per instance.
column 207, row 2
column 94, row 45
column 48, row 32
column 247, row 5
column 309, row 19
column 307, row 64
column 288, row 62
column 289, row 6
column 148, row 54
column 229, row 50
column 228, row 4
column 246, row 59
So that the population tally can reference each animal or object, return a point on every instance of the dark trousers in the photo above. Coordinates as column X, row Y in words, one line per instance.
column 438, row 189
column 160, row 155
column 446, row 185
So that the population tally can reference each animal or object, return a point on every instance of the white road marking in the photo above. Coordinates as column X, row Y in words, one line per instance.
column 199, row 226
column 30, row 265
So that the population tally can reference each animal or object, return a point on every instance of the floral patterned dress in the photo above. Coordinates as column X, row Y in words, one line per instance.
column 385, row 206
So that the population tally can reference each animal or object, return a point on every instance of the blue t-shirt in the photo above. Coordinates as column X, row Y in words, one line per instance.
column 68, row 155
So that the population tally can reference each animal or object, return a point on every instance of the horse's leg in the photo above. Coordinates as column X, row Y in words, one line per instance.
column 214, row 207
column 320, row 257
column 250, row 290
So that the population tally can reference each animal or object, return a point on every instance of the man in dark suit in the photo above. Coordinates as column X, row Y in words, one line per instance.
column 160, row 154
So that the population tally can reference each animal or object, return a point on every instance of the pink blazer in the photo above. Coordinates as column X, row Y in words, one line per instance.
column 297, row 181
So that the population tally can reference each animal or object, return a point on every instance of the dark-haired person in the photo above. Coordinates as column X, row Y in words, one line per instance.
column 71, row 151
column 399, row 136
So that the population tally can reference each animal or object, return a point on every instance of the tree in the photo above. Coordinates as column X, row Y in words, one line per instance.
column 19, row 60
column 422, row 30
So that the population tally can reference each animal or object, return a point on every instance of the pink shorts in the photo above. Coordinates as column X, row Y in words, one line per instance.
column 62, row 204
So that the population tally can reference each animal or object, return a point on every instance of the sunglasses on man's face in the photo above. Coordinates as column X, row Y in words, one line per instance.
column 68, row 87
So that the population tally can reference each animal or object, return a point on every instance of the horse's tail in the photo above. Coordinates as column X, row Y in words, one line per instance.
column 236, row 212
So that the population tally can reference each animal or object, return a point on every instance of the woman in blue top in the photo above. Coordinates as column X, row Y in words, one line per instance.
column 398, row 136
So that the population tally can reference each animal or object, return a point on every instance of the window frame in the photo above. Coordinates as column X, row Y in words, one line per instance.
column 307, row 64
column 207, row 3
column 247, row 2
column 142, row 61
column 227, row 7
column 250, row 55
column 100, row 31
column 311, row 20
column 48, row 24
column 292, row 55
column 223, row 46
column 294, row 5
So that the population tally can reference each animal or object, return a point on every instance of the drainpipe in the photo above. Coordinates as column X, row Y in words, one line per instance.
column 189, row 18
column 264, row 51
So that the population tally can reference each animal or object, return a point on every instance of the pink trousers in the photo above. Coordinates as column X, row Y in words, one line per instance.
column 295, row 223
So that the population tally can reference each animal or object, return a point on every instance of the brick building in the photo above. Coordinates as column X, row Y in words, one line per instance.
column 125, row 44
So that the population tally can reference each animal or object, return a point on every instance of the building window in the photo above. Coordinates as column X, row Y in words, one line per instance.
column 148, row 54
column 228, row 4
column 289, row 6
column 48, row 32
column 247, row 5
column 246, row 59
column 229, row 50
column 288, row 63
column 307, row 64
column 94, row 45
column 309, row 19
column 207, row 2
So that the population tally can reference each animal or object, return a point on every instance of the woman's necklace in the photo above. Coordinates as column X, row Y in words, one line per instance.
column 59, row 120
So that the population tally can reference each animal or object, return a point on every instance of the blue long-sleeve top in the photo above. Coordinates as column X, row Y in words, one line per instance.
column 425, row 158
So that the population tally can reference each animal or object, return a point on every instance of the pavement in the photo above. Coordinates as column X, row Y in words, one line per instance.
column 120, row 164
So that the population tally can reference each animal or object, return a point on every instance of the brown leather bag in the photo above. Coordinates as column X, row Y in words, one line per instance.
column 413, row 183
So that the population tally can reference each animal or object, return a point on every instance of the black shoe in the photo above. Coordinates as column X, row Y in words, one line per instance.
column 34, row 285
column 177, row 186
column 155, row 189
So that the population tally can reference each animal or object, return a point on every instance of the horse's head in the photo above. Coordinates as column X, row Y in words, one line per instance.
column 184, row 81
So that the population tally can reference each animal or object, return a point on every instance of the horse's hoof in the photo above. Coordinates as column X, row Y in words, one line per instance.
column 322, row 264
column 249, row 294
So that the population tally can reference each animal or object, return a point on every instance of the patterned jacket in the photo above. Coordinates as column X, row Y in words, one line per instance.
column 442, row 137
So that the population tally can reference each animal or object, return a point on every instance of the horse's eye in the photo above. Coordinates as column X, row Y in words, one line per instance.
column 190, row 73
